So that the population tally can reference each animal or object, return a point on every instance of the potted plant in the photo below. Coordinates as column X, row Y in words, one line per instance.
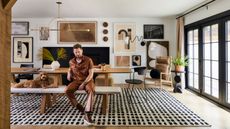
column 180, row 63
column 45, row 54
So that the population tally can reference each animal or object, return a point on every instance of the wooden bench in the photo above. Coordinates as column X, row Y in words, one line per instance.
column 46, row 101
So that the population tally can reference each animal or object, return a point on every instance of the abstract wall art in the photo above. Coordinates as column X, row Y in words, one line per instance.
column 22, row 49
column 124, row 37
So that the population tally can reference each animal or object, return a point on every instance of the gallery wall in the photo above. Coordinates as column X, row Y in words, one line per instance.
column 35, row 23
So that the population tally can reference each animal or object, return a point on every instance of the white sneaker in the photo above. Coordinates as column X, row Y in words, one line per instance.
column 87, row 123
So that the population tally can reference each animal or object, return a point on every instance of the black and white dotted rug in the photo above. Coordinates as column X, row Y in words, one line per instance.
column 137, row 107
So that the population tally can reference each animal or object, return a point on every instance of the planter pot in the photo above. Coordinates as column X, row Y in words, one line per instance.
column 55, row 65
column 179, row 68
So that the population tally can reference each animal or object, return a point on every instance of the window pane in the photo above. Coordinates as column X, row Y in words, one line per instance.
column 207, row 51
column 196, row 81
column 196, row 51
column 190, row 81
column 228, row 31
column 207, row 85
column 228, row 72
column 207, row 34
column 190, row 51
column 196, row 36
column 228, row 92
column 190, row 37
column 215, row 69
column 215, row 88
column 228, row 51
column 196, row 66
column 215, row 51
column 215, row 33
column 207, row 68
column 190, row 65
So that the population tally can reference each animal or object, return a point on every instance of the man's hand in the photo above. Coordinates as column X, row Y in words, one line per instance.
column 82, row 86
column 69, row 76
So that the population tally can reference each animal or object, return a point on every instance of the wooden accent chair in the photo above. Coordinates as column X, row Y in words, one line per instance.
column 163, row 65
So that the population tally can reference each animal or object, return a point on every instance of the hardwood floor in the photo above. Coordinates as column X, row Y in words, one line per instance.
column 211, row 113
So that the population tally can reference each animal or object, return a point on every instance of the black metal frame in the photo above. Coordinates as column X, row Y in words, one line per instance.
column 220, row 19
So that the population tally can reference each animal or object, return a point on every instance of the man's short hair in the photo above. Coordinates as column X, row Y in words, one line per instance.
column 76, row 46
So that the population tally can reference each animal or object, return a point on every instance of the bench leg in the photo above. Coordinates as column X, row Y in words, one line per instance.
column 45, row 103
column 104, row 103
column 49, row 102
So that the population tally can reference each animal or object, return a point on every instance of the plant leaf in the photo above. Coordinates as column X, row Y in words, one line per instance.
column 47, row 55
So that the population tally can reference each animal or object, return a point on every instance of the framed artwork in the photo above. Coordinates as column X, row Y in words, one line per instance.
column 136, row 60
column 122, row 61
column 153, row 31
column 44, row 33
column 22, row 49
column 124, row 37
column 20, row 28
column 77, row 32
column 154, row 49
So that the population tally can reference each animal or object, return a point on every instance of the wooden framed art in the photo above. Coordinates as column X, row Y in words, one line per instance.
column 122, row 61
column 22, row 49
column 124, row 37
column 20, row 28
column 136, row 60
column 154, row 49
column 77, row 32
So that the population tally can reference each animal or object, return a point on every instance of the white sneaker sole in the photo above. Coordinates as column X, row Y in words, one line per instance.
column 88, row 123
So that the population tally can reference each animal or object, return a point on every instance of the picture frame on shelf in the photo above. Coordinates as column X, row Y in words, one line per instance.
column 22, row 49
column 153, row 31
column 20, row 28
column 70, row 32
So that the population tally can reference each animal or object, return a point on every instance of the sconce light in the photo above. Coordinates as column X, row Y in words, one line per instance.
column 126, row 40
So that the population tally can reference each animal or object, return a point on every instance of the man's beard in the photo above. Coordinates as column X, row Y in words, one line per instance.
column 79, row 57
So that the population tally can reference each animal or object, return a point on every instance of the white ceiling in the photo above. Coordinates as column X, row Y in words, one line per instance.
column 102, row 8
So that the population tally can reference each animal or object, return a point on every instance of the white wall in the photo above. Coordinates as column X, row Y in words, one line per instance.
column 214, row 8
column 169, row 35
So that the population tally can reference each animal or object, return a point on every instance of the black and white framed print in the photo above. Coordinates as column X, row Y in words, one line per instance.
column 22, row 49
column 20, row 28
column 136, row 60
column 152, row 31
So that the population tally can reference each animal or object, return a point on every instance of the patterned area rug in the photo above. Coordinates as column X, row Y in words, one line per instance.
column 137, row 107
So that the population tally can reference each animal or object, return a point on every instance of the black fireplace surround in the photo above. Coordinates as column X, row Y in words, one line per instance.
column 99, row 55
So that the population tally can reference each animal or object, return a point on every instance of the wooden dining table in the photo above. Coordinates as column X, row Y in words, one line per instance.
column 57, row 76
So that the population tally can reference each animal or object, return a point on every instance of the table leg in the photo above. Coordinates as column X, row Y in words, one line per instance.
column 12, row 78
column 57, row 79
column 106, row 79
column 105, row 104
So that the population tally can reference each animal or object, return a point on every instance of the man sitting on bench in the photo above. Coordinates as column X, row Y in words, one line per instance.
column 81, row 71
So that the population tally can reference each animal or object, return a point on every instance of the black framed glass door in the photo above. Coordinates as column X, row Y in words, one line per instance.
column 208, row 46
column 227, row 62
column 193, row 66
column 211, row 60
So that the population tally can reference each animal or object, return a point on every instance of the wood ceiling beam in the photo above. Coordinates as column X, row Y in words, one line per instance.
column 8, row 4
